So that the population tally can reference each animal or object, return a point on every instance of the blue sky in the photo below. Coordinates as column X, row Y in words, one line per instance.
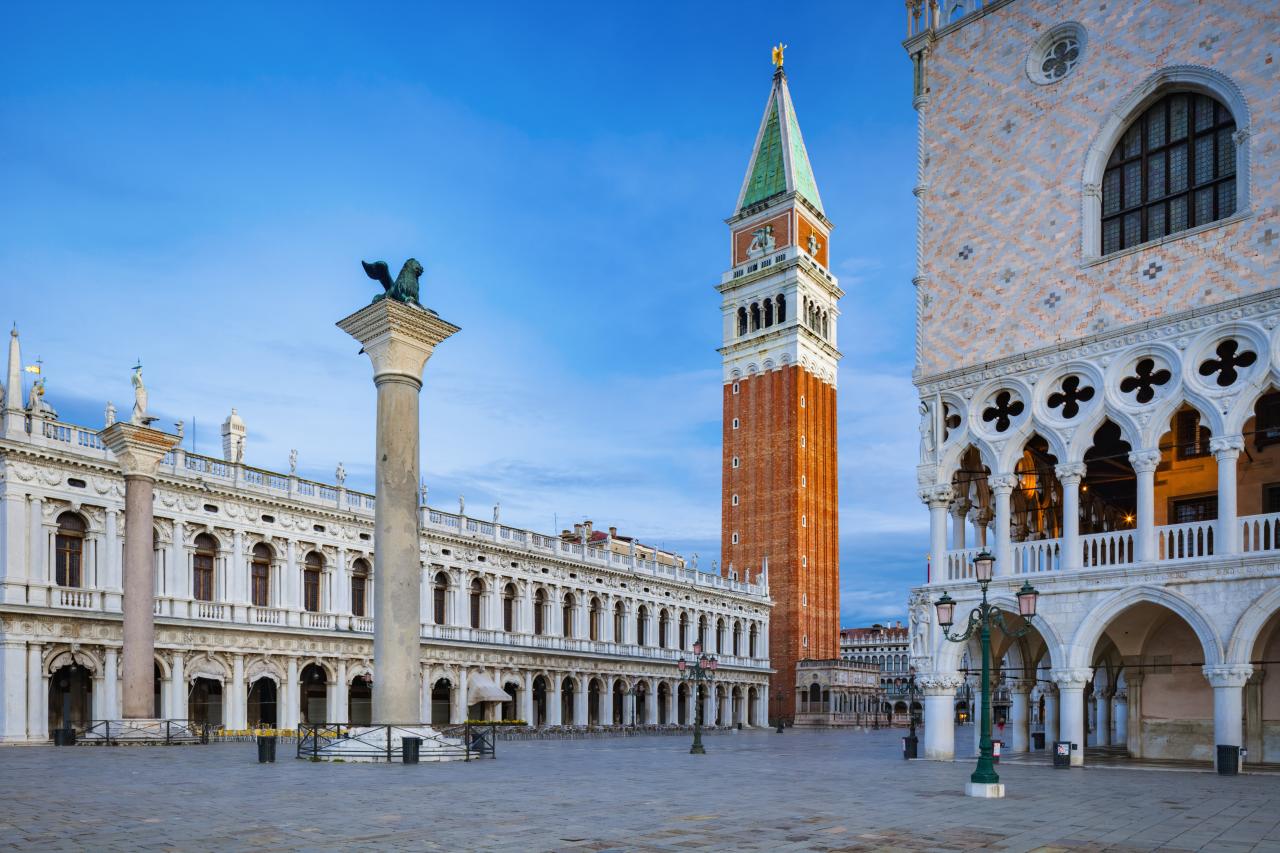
column 196, row 187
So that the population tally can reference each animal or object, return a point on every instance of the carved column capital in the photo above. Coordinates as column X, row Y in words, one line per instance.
column 938, row 683
column 1226, row 447
column 1144, row 461
column 937, row 496
column 1228, row 674
column 1070, row 473
column 1072, row 677
column 1003, row 484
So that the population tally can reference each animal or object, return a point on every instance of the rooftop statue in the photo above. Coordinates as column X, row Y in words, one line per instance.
column 404, row 289
column 139, row 417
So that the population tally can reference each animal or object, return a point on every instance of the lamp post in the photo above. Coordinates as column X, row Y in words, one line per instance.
column 985, row 782
column 781, row 696
column 702, row 669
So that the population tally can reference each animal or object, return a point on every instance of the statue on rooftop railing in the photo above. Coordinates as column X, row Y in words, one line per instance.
column 293, row 463
column 340, row 475
column 405, row 287
column 110, row 414
column 36, row 406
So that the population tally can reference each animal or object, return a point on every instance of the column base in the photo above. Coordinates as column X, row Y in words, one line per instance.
column 985, row 790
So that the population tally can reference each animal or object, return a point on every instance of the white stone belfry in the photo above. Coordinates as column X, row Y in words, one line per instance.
column 398, row 339
column 233, row 436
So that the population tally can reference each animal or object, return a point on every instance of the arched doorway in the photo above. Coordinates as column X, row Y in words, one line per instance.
column 664, row 699
column 360, row 701
column 593, row 702
column 736, row 705
column 1168, row 711
column 441, row 701
column 752, row 699
column 315, row 694
column 619, row 699
column 510, row 707
column 204, row 705
column 70, row 698
column 262, row 703
column 568, row 689
column 642, row 704
column 682, row 704
column 539, row 701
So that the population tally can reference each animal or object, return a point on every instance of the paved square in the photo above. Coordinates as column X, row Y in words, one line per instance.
column 752, row 791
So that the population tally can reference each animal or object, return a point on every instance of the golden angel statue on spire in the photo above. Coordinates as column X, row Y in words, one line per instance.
column 777, row 53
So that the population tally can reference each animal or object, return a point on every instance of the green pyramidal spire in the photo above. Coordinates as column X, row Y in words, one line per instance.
column 779, row 161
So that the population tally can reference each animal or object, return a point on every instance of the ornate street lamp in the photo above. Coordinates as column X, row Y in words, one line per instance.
column 981, row 618
column 702, row 669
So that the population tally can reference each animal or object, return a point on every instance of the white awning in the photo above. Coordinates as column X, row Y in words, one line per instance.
column 481, row 688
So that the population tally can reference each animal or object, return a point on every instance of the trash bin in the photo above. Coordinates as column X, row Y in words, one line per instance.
column 266, row 749
column 1037, row 740
column 995, row 750
column 910, row 745
column 1228, row 760
column 1062, row 753
column 410, row 747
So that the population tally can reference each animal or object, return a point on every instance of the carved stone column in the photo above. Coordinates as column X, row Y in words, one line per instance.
column 1071, row 683
column 139, row 450
column 939, row 713
column 1069, row 476
column 1144, row 464
column 1002, row 487
column 398, row 339
column 939, row 499
column 1227, row 450
column 1228, row 682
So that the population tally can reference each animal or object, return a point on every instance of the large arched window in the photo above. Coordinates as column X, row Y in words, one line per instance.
column 509, row 607
column 260, row 575
column 312, row 568
column 594, row 628
column 683, row 637
column 619, row 623
column 719, row 635
column 566, row 613
column 360, row 587
column 642, row 622
column 540, row 612
column 664, row 619
column 70, row 550
column 439, row 592
column 737, row 638
column 751, row 641
column 1173, row 169
column 202, row 567
column 477, row 597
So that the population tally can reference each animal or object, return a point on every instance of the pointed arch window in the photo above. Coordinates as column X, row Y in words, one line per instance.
column 1173, row 169
column 70, row 550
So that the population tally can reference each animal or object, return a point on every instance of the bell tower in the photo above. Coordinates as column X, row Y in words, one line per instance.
column 780, row 305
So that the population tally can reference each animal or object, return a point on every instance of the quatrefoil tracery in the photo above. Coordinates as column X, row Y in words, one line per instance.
column 950, row 420
column 1004, row 410
column 1228, row 363
column 1145, row 380
column 1070, row 397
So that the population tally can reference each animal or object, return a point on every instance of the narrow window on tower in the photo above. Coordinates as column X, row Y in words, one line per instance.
column 735, row 500
column 804, row 481
column 804, row 599
column 804, row 561
column 735, row 423
column 804, row 641
column 736, row 462
column 735, row 387
column 804, row 521
column 802, row 441
column 735, row 539
column 802, row 401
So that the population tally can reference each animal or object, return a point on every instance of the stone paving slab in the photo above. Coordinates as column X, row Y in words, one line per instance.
column 827, row 791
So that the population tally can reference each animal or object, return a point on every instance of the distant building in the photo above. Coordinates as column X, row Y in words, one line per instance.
column 886, row 648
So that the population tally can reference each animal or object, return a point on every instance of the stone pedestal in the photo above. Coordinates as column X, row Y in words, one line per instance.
column 990, row 791
column 139, row 450
column 398, row 339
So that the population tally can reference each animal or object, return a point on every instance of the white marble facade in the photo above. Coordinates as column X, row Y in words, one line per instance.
column 1104, row 419
column 258, row 612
